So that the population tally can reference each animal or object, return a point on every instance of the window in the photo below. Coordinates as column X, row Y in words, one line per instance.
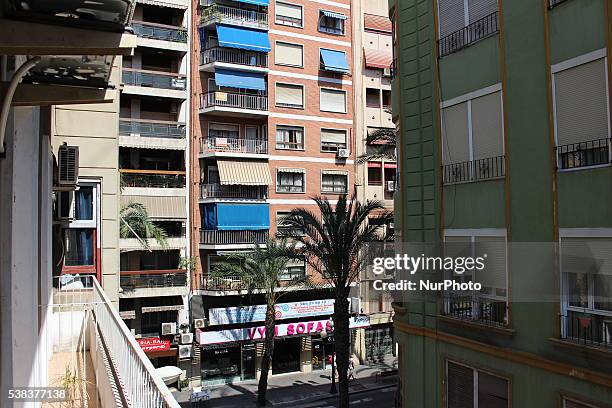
column 581, row 115
column 289, row 137
column 372, row 98
column 290, row 180
column 223, row 130
column 331, row 23
column 288, row 14
column 457, row 14
column 290, row 96
column 79, row 250
column 283, row 229
column 295, row 269
column 333, row 181
column 332, row 140
column 375, row 174
column 289, row 54
column 333, row 100
column 572, row 403
column 386, row 99
column 467, row 387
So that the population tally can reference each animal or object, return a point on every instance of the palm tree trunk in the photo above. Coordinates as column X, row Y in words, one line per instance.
column 342, row 336
column 267, row 356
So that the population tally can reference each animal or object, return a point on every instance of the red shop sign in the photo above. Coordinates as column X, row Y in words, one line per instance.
column 153, row 344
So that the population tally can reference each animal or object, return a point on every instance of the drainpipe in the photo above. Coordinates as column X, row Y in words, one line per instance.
column 8, row 98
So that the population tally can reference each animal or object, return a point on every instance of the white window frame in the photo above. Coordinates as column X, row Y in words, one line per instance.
column 276, row 83
column 322, row 88
column 290, row 4
column 346, row 141
column 288, row 65
column 475, row 372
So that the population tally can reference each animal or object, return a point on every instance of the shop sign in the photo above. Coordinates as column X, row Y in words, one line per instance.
column 257, row 313
column 281, row 330
column 150, row 344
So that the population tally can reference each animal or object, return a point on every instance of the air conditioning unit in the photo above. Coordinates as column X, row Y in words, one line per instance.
column 390, row 185
column 168, row 328
column 387, row 72
column 184, row 351
column 186, row 338
column 67, row 165
column 199, row 323
column 343, row 153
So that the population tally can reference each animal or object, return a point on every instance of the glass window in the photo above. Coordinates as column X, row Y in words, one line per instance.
column 288, row 14
column 375, row 175
column 79, row 249
column 332, row 140
column 331, row 25
column 290, row 182
column 334, row 183
column 282, row 227
column 602, row 291
column 372, row 98
column 295, row 269
column 290, row 137
column 83, row 203
column 578, row 289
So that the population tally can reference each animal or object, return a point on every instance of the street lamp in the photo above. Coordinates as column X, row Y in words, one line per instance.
column 330, row 338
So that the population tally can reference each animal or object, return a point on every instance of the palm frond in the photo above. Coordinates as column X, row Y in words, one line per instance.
column 136, row 223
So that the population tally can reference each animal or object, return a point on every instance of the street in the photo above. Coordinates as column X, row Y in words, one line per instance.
column 378, row 398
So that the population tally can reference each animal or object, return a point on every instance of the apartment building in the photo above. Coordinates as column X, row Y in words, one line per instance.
column 503, row 110
column 374, row 179
column 153, row 159
column 273, row 128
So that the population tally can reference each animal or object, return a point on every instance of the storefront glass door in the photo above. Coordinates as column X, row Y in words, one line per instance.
column 318, row 354
column 286, row 355
column 248, row 361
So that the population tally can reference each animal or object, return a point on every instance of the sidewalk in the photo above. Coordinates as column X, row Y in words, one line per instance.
column 289, row 389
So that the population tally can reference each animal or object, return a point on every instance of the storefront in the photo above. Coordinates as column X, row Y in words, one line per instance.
column 228, row 363
column 379, row 343
column 287, row 355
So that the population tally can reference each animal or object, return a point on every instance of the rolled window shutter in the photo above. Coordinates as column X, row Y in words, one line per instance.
column 586, row 255
column 572, row 404
column 288, row 10
column 289, row 94
column 487, row 139
column 289, row 54
column 492, row 391
column 478, row 9
column 224, row 127
column 333, row 100
column 494, row 273
column 460, row 386
column 581, row 103
column 451, row 16
column 455, row 134
column 333, row 136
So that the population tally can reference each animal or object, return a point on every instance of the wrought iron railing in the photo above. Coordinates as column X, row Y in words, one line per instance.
column 476, row 308
column 234, row 56
column 478, row 30
column 144, row 128
column 230, row 237
column 584, row 154
column 233, row 100
column 233, row 191
column 152, row 178
column 217, row 13
column 474, row 170
column 152, row 279
column 222, row 144
column 588, row 329
column 152, row 79
column 159, row 31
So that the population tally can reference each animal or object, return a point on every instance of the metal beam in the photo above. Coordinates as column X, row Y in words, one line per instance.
column 46, row 95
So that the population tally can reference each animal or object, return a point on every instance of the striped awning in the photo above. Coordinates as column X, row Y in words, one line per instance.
column 333, row 15
column 378, row 59
column 244, row 172
column 167, row 208
column 336, row 172
column 290, row 170
column 168, row 308
column 377, row 23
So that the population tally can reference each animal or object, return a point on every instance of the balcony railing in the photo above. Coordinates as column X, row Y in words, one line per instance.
column 151, row 128
column 475, row 170
column 153, row 279
column 475, row 308
column 153, row 79
column 478, row 30
column 223, row 283
column 222, row 237
column 224, row 144
column 124, row 376
column 217, row 13
column 588, row 329
column 234, row 56
column 233, row 100
column 152, row 178
column 584, row 154
column 233, row 191
column 160, row 31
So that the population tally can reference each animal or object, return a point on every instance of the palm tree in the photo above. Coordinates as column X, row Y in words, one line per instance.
column 136, row 223
column 263, row 269
column 334, row 244
column 384, row 142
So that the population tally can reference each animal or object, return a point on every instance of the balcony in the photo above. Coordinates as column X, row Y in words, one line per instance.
column 474, row 170
column 154, row 83
column 233, row 192
column 476, row 309
column 160, row 31
column 471, row 34
column 210, row 239
column 223, row 283
column 234, row 58
column 210, row 146
column 151, row 128
column 152, row 178
column 588, row 329
column 231, row 103
column 90, row 339
column 591, row 153
column 153, row 283
column 217, row 13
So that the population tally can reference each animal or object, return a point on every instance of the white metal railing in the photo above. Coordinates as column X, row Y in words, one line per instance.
column 217, row 13
column 233, row 100
column 224, row 144
column 234, row 56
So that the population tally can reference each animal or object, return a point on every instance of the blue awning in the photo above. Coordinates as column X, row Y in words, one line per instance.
column 236, row 217
column 239, row 79
column 256, row 2
column 243, row 38
column 333, row 15
column 334, row 61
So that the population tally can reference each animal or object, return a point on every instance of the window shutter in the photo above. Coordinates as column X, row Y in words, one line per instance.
column 492, row 391
column 451, row 16
column 224, row 127
column 455, row 143
column 460, row 386
column 333, row 100
column 586, row 255
column 288, row 10
column 494, row 273
column 289, row 95
column 333, row 136
column 289, row 54
column 487, row 139
column 581, row 103
column 478, row 9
